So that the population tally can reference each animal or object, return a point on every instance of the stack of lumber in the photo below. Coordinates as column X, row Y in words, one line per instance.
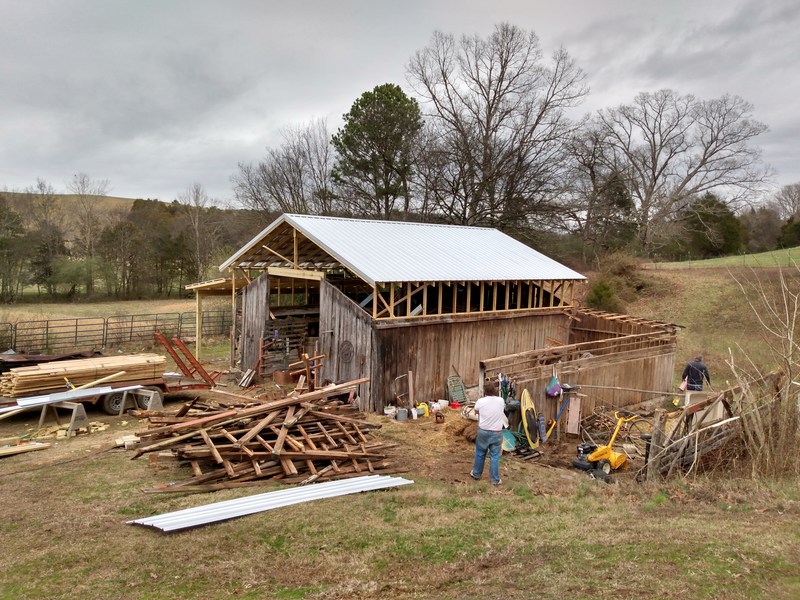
column 299, row 439
column 48, row 377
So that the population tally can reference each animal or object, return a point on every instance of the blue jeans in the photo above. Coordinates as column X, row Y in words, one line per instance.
column 490, row 442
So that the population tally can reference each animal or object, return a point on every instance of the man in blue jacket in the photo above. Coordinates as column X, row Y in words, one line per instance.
column 694, row 373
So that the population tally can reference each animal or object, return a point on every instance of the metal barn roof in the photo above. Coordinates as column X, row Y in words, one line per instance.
column 385, row 251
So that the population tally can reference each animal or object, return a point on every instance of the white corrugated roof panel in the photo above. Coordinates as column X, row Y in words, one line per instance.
column 384, row 251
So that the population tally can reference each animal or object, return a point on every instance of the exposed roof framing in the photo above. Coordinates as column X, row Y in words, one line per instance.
column 389, row 251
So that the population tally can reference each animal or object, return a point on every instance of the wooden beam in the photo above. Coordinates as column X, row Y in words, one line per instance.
column 425, row 300
column 295, row 273
column 375, row 294
column 233, row 315
column 508, row 295
column 294, row 239
column 530, row 294
column 408, row 300
column 198, row 321
column 441, row 289
column 391, row 300
column 277, row 254
column 469, row 295
column 494, row 296
column 482, row 295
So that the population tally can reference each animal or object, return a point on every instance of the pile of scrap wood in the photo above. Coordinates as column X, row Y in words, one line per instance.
column 299, row 439
column 711, row 427
column 49, row 377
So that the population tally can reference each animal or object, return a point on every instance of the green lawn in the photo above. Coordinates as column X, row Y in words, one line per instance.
column 776, row 258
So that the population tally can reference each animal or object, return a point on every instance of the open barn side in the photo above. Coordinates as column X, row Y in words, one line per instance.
column 255, row 314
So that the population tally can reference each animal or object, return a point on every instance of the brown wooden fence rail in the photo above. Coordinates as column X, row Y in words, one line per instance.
column 48, row 336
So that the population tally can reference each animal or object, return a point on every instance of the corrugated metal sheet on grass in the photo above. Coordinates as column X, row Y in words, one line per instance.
column 239, row 507
column 385, row 251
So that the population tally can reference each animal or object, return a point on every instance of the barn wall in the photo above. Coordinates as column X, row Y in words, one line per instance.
column 642, row 369
column 435, row 351
column 341, row 320
column 255, row 312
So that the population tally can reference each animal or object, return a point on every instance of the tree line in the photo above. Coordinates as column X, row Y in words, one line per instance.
column 69, row 245
column 488, row 134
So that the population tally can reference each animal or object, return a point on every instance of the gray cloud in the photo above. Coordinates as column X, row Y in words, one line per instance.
column 156, row 95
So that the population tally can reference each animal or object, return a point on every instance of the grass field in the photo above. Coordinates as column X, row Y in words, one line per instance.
column 545, row 532
column 777, row 258
column 29, row 311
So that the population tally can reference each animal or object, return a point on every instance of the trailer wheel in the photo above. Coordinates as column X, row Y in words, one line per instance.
column 112, row 403
column 144, row 403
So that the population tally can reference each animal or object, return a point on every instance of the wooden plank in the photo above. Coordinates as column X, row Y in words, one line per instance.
column 296, row 273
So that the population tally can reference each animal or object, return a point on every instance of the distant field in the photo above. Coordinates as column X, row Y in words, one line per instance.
column 777, row 258
column 31, row 312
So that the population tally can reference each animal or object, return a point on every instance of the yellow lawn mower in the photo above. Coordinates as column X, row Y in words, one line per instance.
column 603, row 457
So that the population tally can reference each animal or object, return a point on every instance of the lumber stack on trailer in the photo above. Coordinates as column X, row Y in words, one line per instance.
column 48, row 377
column 299, row 439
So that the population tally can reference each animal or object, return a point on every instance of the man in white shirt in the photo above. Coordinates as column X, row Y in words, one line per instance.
column 490, row 437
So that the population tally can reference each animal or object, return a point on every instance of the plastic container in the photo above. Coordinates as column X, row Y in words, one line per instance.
column 402, row 414
column 443, row 403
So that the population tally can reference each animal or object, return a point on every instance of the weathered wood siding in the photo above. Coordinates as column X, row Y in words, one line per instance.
column 599, row 325
column 341, row 320
column 435, row 351
column 255, row 312
column 642, row 369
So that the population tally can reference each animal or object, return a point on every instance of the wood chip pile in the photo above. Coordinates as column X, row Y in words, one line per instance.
column 299, row 439
column 49, row 377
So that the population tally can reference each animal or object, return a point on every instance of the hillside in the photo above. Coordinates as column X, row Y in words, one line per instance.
column 715, row 313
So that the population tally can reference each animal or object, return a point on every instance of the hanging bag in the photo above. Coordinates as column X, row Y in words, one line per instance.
column 684, row 384
column 553, row 388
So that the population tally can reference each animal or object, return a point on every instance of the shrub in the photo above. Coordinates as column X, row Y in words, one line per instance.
column 603, row 296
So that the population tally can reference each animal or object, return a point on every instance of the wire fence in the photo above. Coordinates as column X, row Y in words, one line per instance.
column 98, row 332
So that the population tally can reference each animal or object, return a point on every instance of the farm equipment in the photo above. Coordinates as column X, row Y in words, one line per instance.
column 604, row 457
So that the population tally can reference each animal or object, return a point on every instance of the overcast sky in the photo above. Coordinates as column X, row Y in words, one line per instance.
column 156, row 95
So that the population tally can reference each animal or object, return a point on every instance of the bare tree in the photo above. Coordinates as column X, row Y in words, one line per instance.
column 497, row 115
column 203, row 230
column 678, row 148
column 88, row 192
column 293, row 178
column 787, row 201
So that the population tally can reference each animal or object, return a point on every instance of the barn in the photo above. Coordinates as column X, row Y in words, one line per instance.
column 381, row 299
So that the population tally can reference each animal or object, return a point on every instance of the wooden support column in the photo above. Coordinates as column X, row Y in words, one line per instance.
column 494, row 295
column 375, row 301
column 391, row 300
column 656, row 443
column 572, row 294
column 469, row 294
column 198, row 322
column 530, row 294
column 294, row 235
column 482, row 295
column 233, row 315
column 408, row 300
column 508, row 295
column 455, row 294
column 519, row 295
column 425, row 300
column 441, row 289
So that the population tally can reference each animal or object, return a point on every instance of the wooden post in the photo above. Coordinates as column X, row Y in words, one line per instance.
column 469, row 295
column 391, row 300
column 508, row 296
column 441, row 289
column 375, row 301
column 233, row 315
column 656, row 443
column 482, row 295
column 425, row 299
column 519, row 295
column 411, row 405
column 296, row 263
column 408, row 300
column 530, row 294
column 494, row 295
column 198, row 322
column 455, row 294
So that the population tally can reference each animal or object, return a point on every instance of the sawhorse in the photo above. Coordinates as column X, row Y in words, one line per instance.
column 153, row 397
column 77, row 420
